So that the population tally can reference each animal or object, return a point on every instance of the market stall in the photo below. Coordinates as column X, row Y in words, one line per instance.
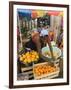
column 30, row 64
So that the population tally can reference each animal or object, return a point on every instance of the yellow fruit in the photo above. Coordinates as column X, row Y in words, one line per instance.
column 32, row 59
column 29, row 57
column 28, row 61
column 44, row 69
column 33, row 56
column 25, row 61
column 21, row 58
column 37, row 57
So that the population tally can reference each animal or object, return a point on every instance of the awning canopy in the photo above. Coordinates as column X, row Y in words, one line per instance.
column 32, row 14
column 55, row 13
column 26, row 13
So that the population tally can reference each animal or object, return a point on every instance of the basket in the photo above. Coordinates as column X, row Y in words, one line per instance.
column 46, row 76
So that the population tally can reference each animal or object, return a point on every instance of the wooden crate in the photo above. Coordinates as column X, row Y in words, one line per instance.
column 48, row 76
column 28, row 70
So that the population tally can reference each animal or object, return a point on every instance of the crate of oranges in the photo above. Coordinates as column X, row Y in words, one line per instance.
column 29, row 57
column 44, row 70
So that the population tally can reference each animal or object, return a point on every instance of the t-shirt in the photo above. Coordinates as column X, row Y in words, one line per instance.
column 31, row 45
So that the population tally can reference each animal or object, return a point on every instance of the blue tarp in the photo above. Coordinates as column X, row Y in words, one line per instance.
column 25, row 13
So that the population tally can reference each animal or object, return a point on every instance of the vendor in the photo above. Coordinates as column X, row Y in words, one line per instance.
column 34, row 42
column 44, row 37
column 46, row 40
column 38, row 41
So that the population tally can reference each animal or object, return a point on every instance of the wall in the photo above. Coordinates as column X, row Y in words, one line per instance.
column 4, row 46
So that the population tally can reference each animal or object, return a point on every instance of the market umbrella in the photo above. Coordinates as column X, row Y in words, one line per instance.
column 61, row 14
column 55, row 13
column 40, row 13
column 37, row 13
column 34, row 14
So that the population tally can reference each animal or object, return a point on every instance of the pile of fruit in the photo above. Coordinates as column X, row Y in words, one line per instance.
column 44, row 69
column 29, row 57
column 55, row 54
